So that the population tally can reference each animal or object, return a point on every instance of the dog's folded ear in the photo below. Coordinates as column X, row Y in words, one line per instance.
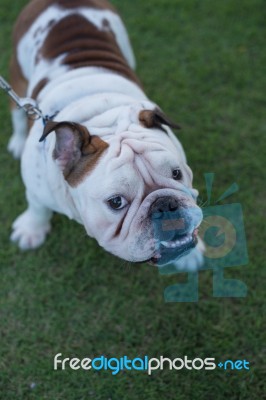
column 76, row 150
column 156, row 119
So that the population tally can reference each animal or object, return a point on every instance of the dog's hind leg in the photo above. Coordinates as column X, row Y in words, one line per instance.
column 18, row 116
column 32, row 226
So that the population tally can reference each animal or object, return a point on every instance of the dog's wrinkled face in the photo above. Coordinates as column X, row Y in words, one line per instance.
column 138, row 203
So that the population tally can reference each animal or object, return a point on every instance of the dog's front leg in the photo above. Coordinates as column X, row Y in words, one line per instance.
column 31, row 227
column 20, row 130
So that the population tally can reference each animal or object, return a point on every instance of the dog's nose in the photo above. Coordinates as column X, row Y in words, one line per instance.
column 164, row 204
column 170, row 219
column 167, row 217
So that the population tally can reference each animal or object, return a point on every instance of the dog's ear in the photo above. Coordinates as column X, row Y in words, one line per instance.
column 76, row 150
column 156, row 119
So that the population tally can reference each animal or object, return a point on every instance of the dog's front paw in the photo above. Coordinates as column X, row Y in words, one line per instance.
column 28, row 231
column 16, row 145
column 193, row 260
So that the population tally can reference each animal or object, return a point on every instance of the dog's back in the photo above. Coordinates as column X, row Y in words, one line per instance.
column 52, row 36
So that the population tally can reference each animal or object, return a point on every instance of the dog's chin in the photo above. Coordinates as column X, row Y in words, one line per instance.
column 172, row 250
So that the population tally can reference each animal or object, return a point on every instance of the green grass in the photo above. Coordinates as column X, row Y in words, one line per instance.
column 204, row 63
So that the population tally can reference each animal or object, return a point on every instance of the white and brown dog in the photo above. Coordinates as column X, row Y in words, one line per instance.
column 109, row 159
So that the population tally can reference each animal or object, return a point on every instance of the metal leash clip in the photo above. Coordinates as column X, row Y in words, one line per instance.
column 29, row 105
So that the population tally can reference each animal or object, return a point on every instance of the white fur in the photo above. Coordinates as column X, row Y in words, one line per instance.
column 61, row 92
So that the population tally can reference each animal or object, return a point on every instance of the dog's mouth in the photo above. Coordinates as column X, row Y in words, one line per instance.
column 171, row 250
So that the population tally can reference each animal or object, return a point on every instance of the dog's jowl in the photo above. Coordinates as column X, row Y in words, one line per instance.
column 108, row 159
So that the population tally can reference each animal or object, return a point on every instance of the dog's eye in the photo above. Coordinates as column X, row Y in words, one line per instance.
column 177, row 174
column 117, row 202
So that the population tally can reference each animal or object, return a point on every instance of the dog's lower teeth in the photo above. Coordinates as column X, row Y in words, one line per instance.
column 177, row 243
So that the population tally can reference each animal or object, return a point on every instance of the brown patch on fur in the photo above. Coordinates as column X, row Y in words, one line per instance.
column 86, row 150
column 36, row 7
column 85, row 45
column 17, row 81
column 30, row 124
column 40, row 85
column 156, row 119
column 91, row 153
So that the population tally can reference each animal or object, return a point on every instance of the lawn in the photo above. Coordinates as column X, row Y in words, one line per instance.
column 204, row 63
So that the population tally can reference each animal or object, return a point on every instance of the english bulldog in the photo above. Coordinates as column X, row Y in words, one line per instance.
column 107, row 157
